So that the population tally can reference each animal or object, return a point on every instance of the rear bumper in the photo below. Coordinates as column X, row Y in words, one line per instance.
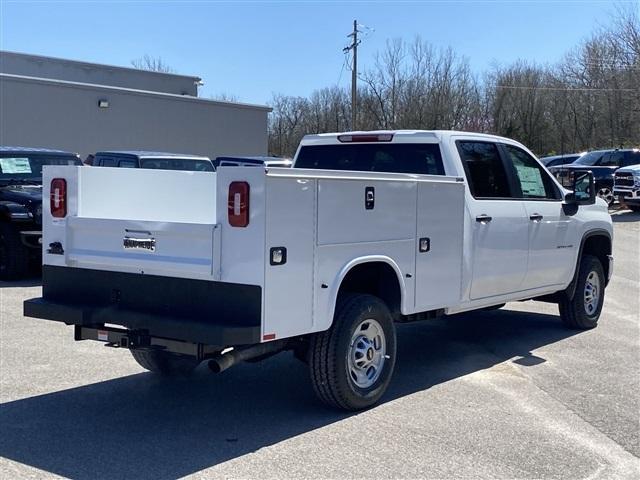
column 197, row 311
column 153, row 325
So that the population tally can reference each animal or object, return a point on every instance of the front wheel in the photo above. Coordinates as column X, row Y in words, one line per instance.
column 165, row 363
column 583, row 310
column 351, row 363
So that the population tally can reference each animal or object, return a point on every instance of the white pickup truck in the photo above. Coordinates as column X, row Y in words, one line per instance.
column 367, row 229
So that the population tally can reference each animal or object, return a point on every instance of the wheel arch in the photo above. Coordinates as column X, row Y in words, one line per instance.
column 378, row 275
column 597, row 242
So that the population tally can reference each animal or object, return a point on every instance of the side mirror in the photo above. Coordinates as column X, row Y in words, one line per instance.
column 584, row 187
column 584, row 191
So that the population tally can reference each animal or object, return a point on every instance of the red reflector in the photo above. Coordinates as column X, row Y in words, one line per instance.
column 269, row 336
column 58, row 198
column 238, row 208
column 380, row 137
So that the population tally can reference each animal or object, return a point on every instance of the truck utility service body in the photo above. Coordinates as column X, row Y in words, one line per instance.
column 192, row 263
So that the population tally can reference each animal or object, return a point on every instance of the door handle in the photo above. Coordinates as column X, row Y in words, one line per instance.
column 483, row 218
column 536, row 217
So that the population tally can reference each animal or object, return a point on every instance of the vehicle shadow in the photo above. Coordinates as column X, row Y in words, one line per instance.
column 27, row 282
column 141, row 426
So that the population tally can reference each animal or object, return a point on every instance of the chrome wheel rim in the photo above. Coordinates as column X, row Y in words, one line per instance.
column 591, row 293
column 366, row 355
column 606, row 194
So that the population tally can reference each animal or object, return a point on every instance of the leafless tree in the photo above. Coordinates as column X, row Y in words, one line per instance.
column 152, row 64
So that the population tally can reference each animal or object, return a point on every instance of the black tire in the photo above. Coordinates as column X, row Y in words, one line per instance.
column 572, row 310
column 165, row 363
column 329, row 352
column 14, row 255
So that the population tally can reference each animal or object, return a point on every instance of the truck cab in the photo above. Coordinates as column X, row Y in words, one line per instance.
column 367, row 229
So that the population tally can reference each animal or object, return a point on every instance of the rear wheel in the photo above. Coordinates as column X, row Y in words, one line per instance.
column 352, row 362
column 14, row 255
column 583, row 310
column 165, row 363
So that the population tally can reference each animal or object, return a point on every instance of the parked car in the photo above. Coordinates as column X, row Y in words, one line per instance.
column 366, row 230
column 627, row 187
column 153, row 160
column 252, row 162
column 21, row 205
column 603, row 164
column 565, row 159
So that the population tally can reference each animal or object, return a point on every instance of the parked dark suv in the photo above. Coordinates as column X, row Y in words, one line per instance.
column 154, row 160
column 603, row 164
column 21, row 206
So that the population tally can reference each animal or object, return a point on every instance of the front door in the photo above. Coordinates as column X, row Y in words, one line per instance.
column 552, row 246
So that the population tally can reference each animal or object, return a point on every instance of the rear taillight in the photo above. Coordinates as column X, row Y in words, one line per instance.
column 58, row 198
column 238, row 209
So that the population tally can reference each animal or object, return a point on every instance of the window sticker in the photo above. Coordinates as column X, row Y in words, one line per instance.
column 15, row 165
column 530, row 181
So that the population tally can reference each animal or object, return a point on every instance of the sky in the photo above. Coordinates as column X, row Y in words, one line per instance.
column 251, row 50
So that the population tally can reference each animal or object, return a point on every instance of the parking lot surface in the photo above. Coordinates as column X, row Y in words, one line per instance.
column 502, row 394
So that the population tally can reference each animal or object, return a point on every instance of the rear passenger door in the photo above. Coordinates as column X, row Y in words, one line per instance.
column 499, row 222
column 551, row 234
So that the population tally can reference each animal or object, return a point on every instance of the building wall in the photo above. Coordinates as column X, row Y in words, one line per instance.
column 66, row 116
column 74, row 71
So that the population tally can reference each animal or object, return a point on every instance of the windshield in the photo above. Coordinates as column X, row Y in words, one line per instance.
column 177, row 164
column 29, row 168
column 590, row 158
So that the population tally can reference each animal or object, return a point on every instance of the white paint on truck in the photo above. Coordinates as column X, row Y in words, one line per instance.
column 483, row 224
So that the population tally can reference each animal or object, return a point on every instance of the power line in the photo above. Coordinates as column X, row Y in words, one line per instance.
column 566, row 89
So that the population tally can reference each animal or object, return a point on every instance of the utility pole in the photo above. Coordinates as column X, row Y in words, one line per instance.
column 354, row 73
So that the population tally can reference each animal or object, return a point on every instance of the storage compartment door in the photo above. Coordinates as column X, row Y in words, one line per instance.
column 440, row 223
column 288, row 288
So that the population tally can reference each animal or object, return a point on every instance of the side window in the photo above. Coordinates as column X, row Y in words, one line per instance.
column 531, row 176
column 631, row 158
column 127, row 164
column 108, row 162
column 613, row 159
column 485, row 171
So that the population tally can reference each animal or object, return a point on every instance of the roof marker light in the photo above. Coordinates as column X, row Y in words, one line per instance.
column 368, row 137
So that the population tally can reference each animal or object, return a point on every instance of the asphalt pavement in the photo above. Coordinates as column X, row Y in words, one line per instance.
column 502, row 394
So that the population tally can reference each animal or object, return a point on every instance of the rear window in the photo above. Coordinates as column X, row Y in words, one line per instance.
column 177, row 164
column 372, row 157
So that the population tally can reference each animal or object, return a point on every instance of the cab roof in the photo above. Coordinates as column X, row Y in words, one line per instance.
column 141, row 154
column 34, row 151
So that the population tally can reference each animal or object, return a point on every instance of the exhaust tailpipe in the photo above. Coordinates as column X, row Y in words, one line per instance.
column 221, row 362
